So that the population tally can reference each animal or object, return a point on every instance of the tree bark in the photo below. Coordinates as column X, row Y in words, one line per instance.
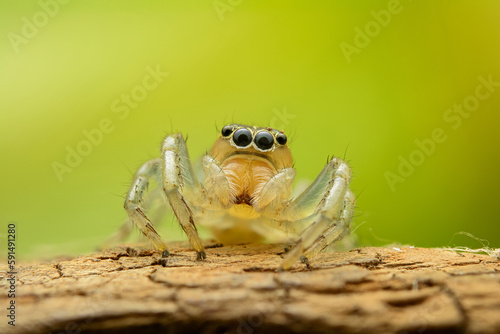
column 237, row 290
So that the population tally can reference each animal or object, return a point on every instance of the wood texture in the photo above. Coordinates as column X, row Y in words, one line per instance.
column 237, row 290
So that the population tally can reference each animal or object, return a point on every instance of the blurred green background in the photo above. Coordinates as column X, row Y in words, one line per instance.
column 371, row 76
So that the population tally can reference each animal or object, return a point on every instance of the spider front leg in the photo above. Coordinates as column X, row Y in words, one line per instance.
column 151, row 204
column 328, row 205
column 181, row 187
column 336, row 231
column 134, row 207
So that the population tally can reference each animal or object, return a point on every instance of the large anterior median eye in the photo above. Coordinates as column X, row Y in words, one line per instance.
column 242, row 137
column 264, row 140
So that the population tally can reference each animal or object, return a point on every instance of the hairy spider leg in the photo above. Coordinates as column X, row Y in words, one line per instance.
column 179, row 183
column 337, row 231
column 134, row 207
column 328, row 203
column 154, row 204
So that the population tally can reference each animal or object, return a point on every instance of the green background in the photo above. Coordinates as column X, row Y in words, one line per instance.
column 250, row 64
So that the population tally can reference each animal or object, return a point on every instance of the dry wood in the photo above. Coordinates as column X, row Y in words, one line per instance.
column 237, row 290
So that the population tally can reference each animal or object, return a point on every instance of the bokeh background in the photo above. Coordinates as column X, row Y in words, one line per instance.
column 64, row 68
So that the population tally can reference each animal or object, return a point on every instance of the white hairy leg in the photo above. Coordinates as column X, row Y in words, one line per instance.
column 180, row 185
column 328, row 201
column 134, row 207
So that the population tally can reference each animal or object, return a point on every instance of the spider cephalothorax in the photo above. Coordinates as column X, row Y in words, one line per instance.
column 249, row 158
column 245, row 194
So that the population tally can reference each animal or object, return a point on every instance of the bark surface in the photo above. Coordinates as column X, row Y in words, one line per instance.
column 237, row 290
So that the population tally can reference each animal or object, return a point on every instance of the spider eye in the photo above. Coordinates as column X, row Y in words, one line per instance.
column 227, row 130
column 281, row 138
column 264, row 140
column 242, row 137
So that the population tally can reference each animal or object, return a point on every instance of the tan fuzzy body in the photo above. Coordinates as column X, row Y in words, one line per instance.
column 246, row 175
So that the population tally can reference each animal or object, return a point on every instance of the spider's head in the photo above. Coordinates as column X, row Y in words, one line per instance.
column 244, row 140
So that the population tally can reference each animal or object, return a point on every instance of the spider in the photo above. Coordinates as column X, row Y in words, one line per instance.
column 245, row 194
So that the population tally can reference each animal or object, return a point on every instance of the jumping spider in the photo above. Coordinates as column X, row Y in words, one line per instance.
column 246, row 194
